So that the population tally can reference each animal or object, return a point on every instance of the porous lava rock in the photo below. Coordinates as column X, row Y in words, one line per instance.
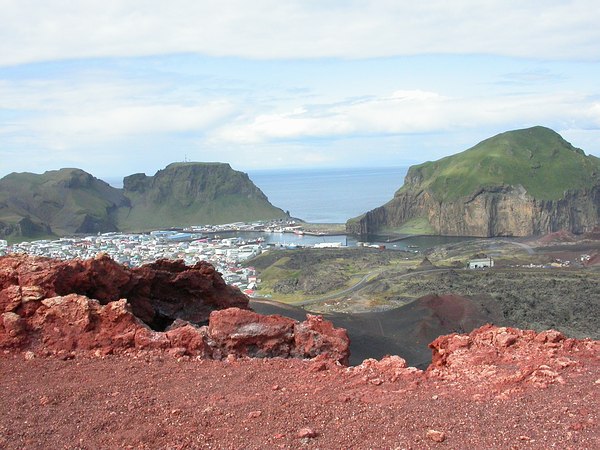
column 246, row 333
column 316, row 336
column 38, row 315
column 498, row 359
column 158, row 293
column 72, row 324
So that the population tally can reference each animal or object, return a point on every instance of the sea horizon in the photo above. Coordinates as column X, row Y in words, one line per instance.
column 323, row 195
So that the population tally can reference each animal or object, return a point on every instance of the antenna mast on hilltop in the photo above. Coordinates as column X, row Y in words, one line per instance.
column 185, row 158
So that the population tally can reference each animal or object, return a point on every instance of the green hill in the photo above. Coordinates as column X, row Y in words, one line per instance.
column 518, row 183
column 71, row 201
column 537, row 158
column 57, row 202
column 191, row 194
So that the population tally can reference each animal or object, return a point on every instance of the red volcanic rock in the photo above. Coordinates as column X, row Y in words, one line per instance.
column 436, row 436
column 307, row 433
column 175, row 290
column 503, row 358
column 389, row 369
column 71, row 323
column 75, row 324
column 46, row 308
column 192, row 340
column 158, row 293
column 121, row 401
column 245, row 333
column 318, row 336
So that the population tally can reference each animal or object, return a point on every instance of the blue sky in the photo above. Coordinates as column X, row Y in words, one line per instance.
column 118, row 87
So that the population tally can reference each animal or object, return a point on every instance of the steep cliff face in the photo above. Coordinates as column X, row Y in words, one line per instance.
column 476, row 193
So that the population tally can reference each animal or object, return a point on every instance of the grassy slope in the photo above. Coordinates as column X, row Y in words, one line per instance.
column 537, row 158
column 223, row 209
column 45, row 198
column 63, row 198
column 418, row 225
column 194, row 194
column 318, row 271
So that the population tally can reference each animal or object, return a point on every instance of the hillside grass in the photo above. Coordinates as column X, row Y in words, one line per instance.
column 537, row 158
column 320, row 272
column 418, row 225
column 223, row 209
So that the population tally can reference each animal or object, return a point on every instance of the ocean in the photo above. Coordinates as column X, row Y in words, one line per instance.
column 324, row 195
column 329, row 195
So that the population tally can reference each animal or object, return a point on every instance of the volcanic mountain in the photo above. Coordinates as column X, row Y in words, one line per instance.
column 519, row 183
column 67, row 201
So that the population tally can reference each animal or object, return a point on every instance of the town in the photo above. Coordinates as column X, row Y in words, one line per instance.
column 191, row 245
column 134, row 250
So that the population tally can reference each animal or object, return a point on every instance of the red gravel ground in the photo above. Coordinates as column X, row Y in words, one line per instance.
column 152, row 401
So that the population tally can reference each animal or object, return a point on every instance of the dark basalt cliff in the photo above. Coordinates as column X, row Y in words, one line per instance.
column 520, row 183
column 68, row 201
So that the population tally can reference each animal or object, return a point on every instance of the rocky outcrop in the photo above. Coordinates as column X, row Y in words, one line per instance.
column 71, row 325
column 490, row 362
column 502, row 358
column 157, row 293
column 147, row 400
column 520, row 183
column 99, row 307
column 246, row 333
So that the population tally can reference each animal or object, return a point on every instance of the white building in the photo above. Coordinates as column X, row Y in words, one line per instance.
column 481, row 263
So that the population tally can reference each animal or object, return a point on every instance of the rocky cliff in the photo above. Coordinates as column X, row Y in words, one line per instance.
column 519, row 183
column 68, row 201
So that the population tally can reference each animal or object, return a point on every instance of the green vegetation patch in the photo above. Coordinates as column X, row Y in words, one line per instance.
column 537, row 158
column 418, row 225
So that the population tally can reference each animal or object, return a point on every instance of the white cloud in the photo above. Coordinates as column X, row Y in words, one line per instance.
column 52, row 30
column 408, row 112
column 130, row 120
column 63, row 114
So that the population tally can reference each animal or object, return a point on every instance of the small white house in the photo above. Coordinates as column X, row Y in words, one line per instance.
column 481, row 263
column 3, row 243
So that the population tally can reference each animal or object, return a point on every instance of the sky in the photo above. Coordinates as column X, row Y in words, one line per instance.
column 119, row 87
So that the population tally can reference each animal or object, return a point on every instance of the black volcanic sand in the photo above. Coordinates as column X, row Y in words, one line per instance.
column 405, row 331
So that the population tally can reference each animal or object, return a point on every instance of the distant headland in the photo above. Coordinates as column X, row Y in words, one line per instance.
column 519, row 183
column 71, row 201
